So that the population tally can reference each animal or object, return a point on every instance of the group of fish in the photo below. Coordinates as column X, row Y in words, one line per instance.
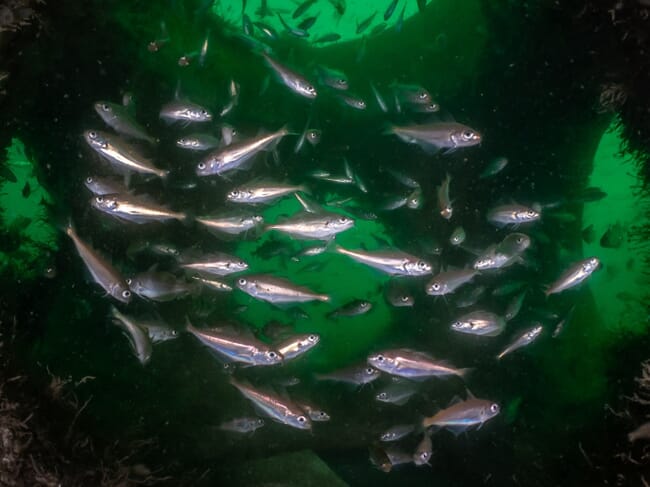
column 121, row 147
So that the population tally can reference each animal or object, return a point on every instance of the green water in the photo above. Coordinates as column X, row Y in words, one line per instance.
column 495, row 76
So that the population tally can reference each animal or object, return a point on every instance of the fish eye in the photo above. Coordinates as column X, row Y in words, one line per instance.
column 382, row 395
column 380, row 358
column 422, row 264
column 468, row 135
column 241, row 281
column 422, row 95
column 312, row 338
column 105, row 107
column 435, row 286
column 520, row 240
column 365, row 304
column 126, row 294
column 99, row 199
column 241, row 263
column 301, row 419
column 201, row 165
column 89, row 179
column 260, row 422
column 343, row 220
column 272, row 354
column 342, row 81
column 92, row 134
column 322, row 414
column 404, row 298
column 370, row 370
column 128, row 281
column 494, row 408
column 361, row 103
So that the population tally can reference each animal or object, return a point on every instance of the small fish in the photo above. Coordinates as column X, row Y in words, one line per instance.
column 314, row 226
column 641, row 433
column 463, row 415
column 233, row 347
column 526, row 338
column 588, row 234
column 397, row 432
column 469, row 297
column 480, row 323
column 185, row 111
column 457, row 236
column 297, row 345
column 244, row 425
column 214, row 264
column 352, row 101
column 414, row 199
column 158, row 331
column 203, row 53
column 159, row 286
column 514, row 306
column 411, row 94
column 563, row 322
column 400, row 20
column 614, row 237
column 197, row 142
column 333, row 78
column 276, row 290
column 380, row 100
column 233, row 92
column 315, row 414
column 444, row 203
column 339, row 6
column 268, row 31
column 357, row 375
column 329, row 37
column 494, row 167
column 302, row 8
column 365, row 23
column 398, row 296
column 279, row 409
column 503, row 215
column 134, row 209
column 353, row 308
column 214, row 284
column 437, row 136
column 307, row 23
column 411, row 364
column 398, row 392
column 247, row 25
column 262, row 192
column 120, row 119
column 574, row 275
column 448, row 282
column 294, row 31
column 392, row 262
column 423, row 452
column 102, row 271
column 103, row 185
column 138, row 337
column 394, row 203
column 293, row 80
column 390, row 9
column 231, row 223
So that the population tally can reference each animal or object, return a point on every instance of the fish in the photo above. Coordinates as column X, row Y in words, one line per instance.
column 158, row 331
column 214, row 264
column 333, row 78
column 480, row 323
column 262, row 192
column 158, row 248
column 213, row 284
column 233, row 92
column 397, row 432
column 574, row 275
column 391, row 262
column 469, row 297
column 365, row 23
column 353, row 308
column 457, row 236
column 437, row 136
column 293, row 80
column 120, row 119
column 356, row 374
column 307, row 23
column 588, row 234
column 159, row 286
column 503, row 254
column 640, row 433
column 508, row 288
column 102, row 272
column 423, row 452
column 412, row 364
column 203, row 53
column 138, row 337
column 313, row 226
column 294, row 31
column 379, row 458
column 277, row 290
column 431, row 107
column 444, row 203
column 390, row 9
column 339, row 6
column 514, row 306
column 513, row 214
column 185, row 111
column 232, row 223
column 134, row 209
column 279, row 409
column 351, row 101
column 411, row 94
column 563, row 322
column 448, row 282
column 399, row 24
column 297, row 345
column 235, row 155
column 380, row 100
column 398, row 392
column 463, row 415
column 614, row 236
column 414, row 199
column 589, row 195
column 268, row 31
column 328, row 37
column 231, row 346
column 302, row 8
column 315, row 414
column 197, row 142
column 120, row 154
column 243, row 425
column 524, row 339
column 494, row 167
column 397, row 295
column 104, row 185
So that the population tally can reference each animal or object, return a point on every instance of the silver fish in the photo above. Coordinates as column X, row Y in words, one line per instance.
column 495, row 166
column 411, row 94
column 332, row 77
column 158, row 331
column 103, row 185
column 563, row 322
column 119, row 153
column 294, row 81
column 514, row 306
column 242, row 425
column 504, row 254
column 463, row 415
column 405, row 179
column 297, row 345
column 236, row 155
column 215, row 264
column 231, row 223
column 119, row 119
column 356, row 374
column 481, row 323
column 353, row 308
column 398, row 392
column 444, row 203
column 277, row 290
column 469, row 297
column 392, row 262
column 423, row 452
column 184, row 111
column 447, row 282
column 414, row 199
column 138, row 337
column 397, row 432
column 314, row 226
column 159, row 286
column 102, row 271
column 197, row 142
column 503, row 215
column 214, row 284
column 398, row 296
column 436, row 136
column 233, row 91
column 233, row 347
column 262, row 192
column 457, row 236
column 229, row 134
column 380, row 100
column 282, row 410
column 315, row 414
column 135, row 209
column 526, row 338
column 352, row 101
column 411, row 364
column 574, row 275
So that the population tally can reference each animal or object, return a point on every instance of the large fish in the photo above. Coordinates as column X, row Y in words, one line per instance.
column 276, row 290
column 437, row 136
column 313, row 226
column 574, row 275
column 463, row 415
column 293, row 80
column 392, row 262
column 412, row 364
column 135, row 209
column 482, row 323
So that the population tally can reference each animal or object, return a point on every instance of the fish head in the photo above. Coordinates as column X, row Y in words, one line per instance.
column 308, row 90
column 104, row 109
column 237, row 195
column 516, row 242
column 382, row 396
column 199, row 114
column 387, row 436
column 380, row 361
column 431, row 107
column 436, row 288
column 341, row 223
column 246, row 285
column 489, row 411
column 358, row 103
column 447, row 212
column 590, row 265
column 414, row 200
column 462, row 326
column 313, row 136
column 368, row 374
column 95, row 139
column 404, row 300
column 465, row 137
column 121, row 293
column 422, row 457
column 188, row 143
column 418, row 268
column 300, row 421
column 236, row 265
column 526, row 215
column 206, row 167
column 270, row 357
column 106, row 203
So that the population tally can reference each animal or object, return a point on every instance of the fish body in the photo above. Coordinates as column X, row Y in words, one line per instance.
column 277, row 290
column 297, row 345
column 447, row 282
column 313, row 226
column 231, row 223
column 244, row 425
column 436, row 136
column 481, row 323
column 262, row 192
column 357, row 375
column 184, row 111
column 411, row 364
column 104, row 185
column 444, row 202
column 463, row 415
column 353, row 308
column 215, row 264
column 397, row 432
column 197, row 142
column 526, row 338
column 392, row 262
column 214, row 284
column 137, row 335
column 120, row 119
column 503, row 215
column 159, row 286
column 293, row 80
column 574, row 275
column 158, row 331
column 134, row 209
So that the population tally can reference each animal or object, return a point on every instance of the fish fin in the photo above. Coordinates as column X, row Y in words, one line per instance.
column 456, row 430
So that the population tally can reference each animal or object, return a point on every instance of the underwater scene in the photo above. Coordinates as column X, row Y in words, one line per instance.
column 323, row 243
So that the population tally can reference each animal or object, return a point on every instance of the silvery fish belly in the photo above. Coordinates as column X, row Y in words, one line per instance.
column 574, row 275
column 411, row 364
column 310, row 226
column 134, row 209
column 482, row 323
column 463, row 415
column 392, row 262
column 277, row 290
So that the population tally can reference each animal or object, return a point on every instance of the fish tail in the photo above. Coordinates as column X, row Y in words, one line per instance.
column 388, row 129
column 463, row 373
column 323, row 298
